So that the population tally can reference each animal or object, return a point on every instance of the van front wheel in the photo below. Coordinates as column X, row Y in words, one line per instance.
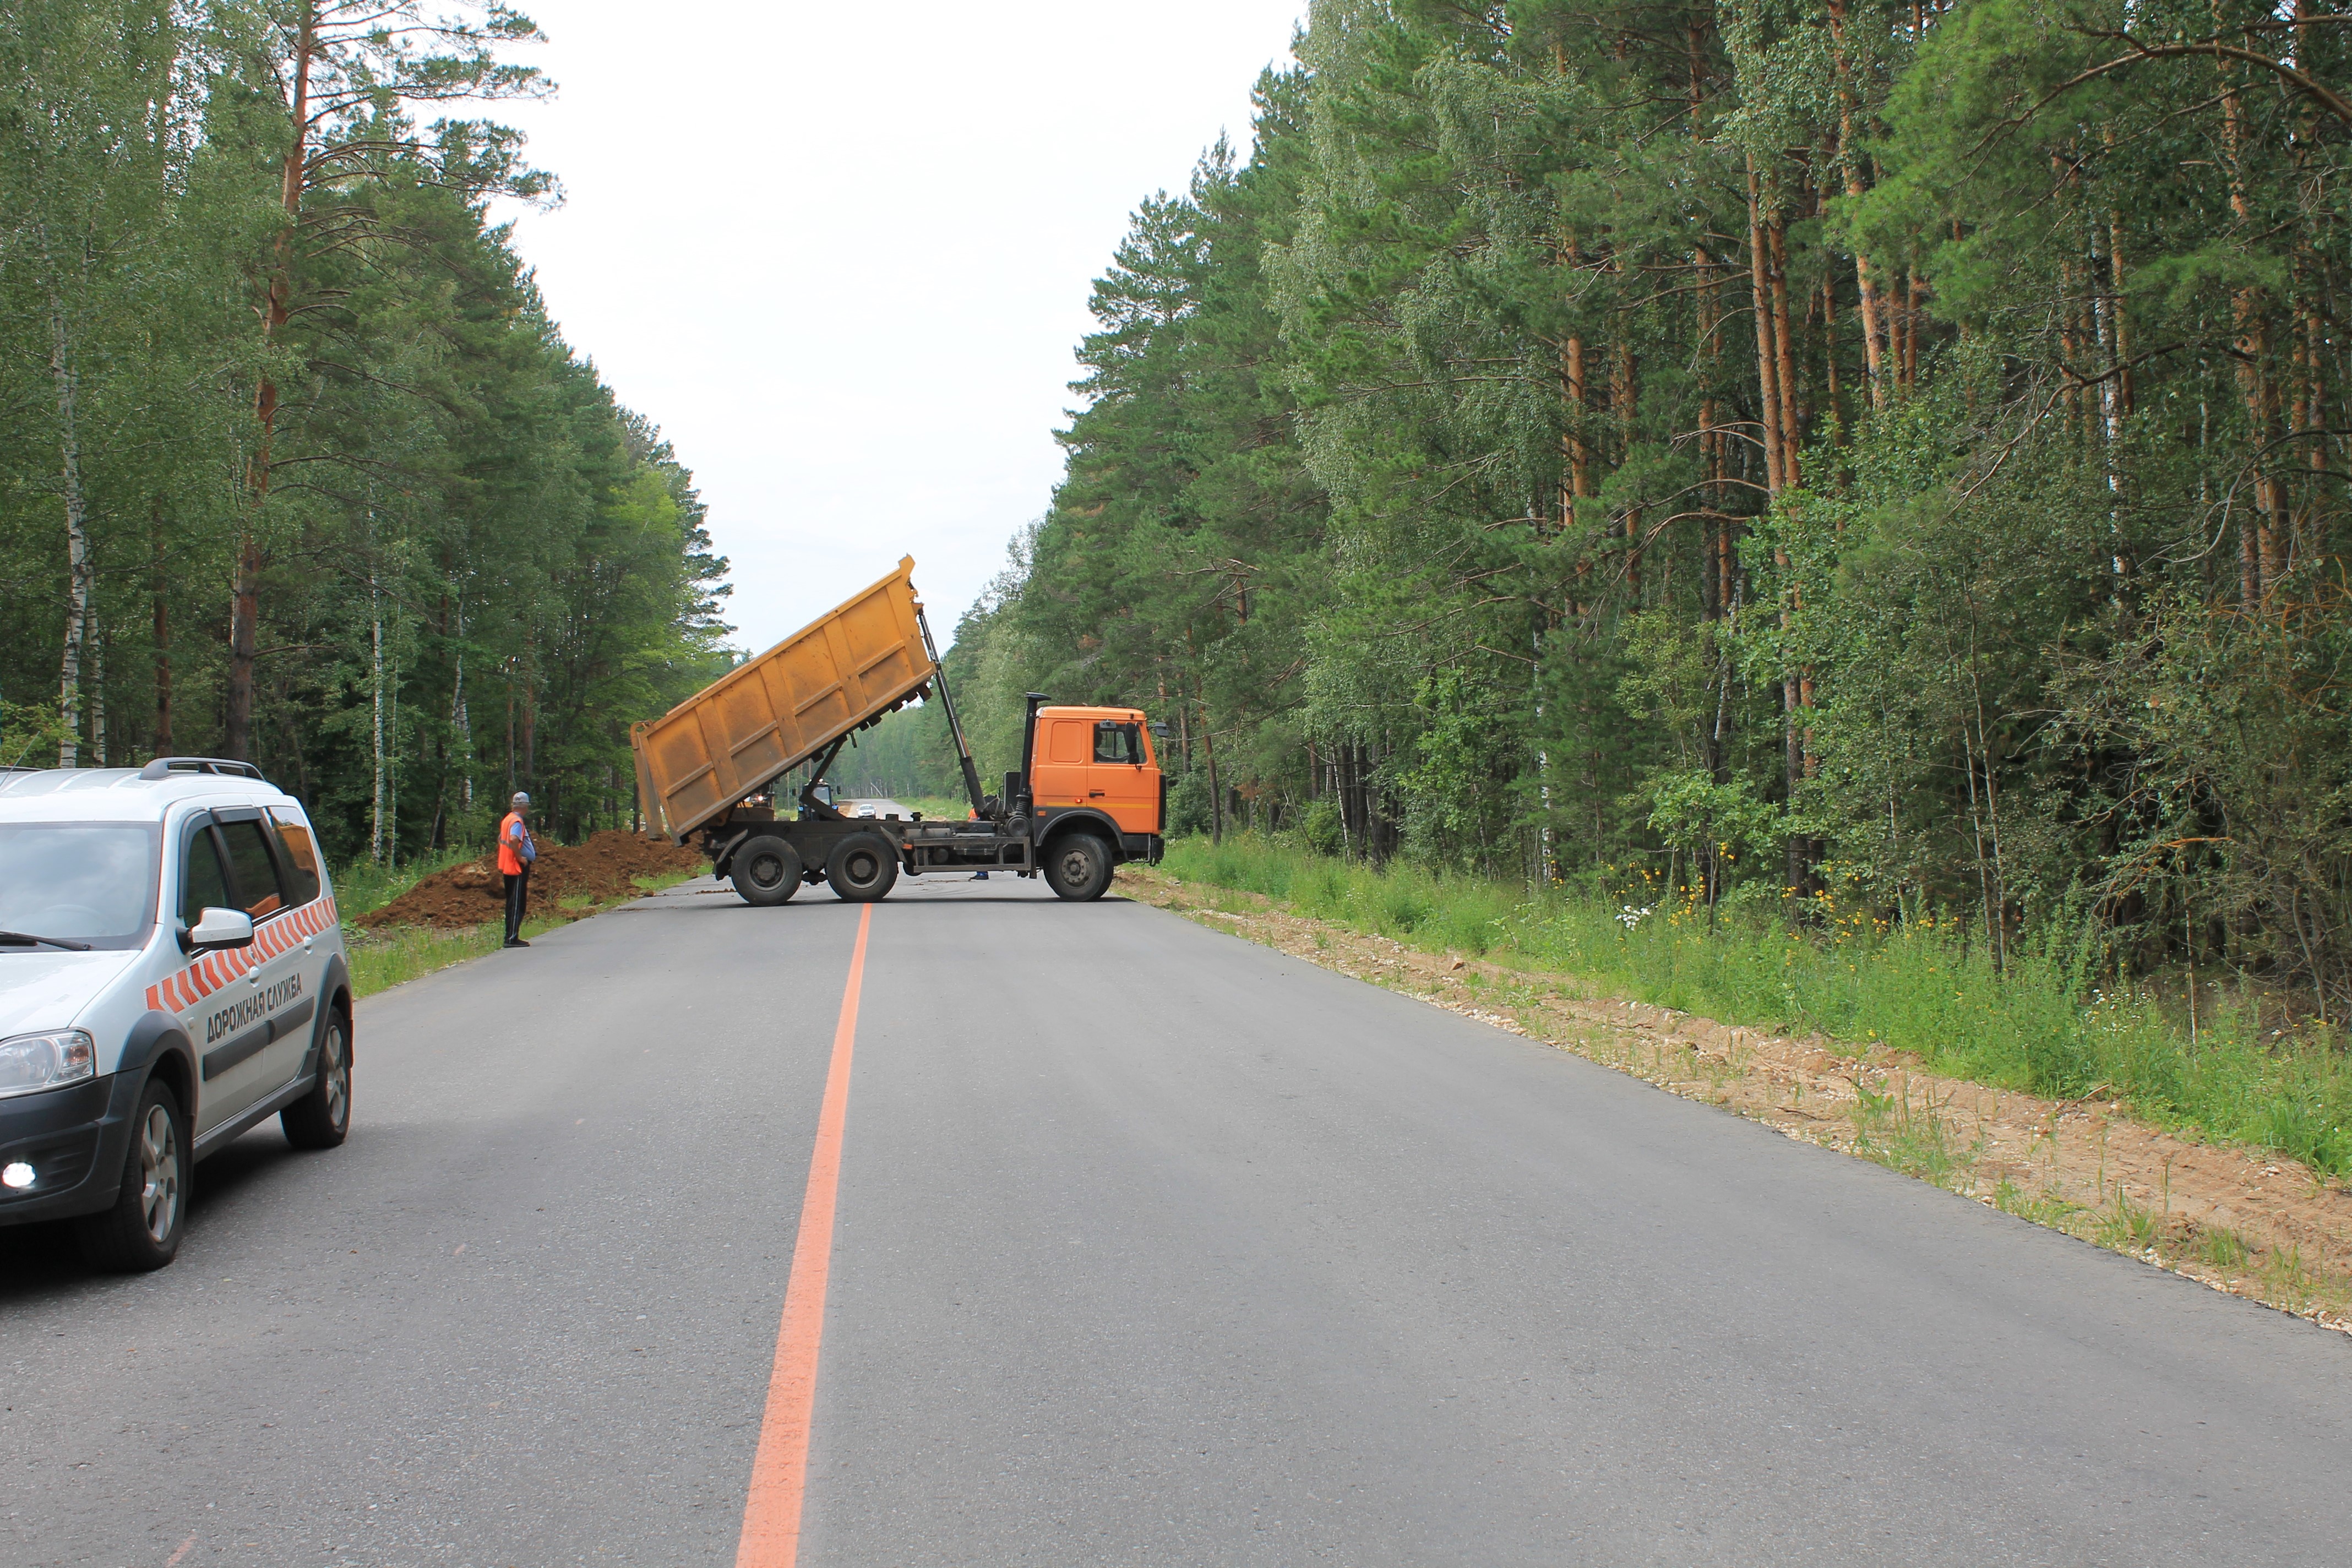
column 142, row 1229
column 1077, row 867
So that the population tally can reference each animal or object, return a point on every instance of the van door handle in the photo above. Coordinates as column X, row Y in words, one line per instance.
column 1094, row 795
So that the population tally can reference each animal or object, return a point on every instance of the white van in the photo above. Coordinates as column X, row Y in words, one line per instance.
column 171, row 973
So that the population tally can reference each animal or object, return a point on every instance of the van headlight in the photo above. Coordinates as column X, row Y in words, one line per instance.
column 31, row 1063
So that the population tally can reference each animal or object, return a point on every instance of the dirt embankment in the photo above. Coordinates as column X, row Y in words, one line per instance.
column 603, row 869
column 2251, row 1224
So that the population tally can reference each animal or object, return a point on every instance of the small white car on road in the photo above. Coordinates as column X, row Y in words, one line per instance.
column 171, row 973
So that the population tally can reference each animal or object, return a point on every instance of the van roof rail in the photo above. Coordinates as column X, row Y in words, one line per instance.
column 164, row 767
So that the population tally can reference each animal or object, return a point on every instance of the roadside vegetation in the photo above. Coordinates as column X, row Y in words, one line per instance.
column 1893, row 454
column 1925, row 988
column 298, row 468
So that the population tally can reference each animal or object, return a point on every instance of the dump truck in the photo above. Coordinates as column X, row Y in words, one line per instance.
column 1087, row 795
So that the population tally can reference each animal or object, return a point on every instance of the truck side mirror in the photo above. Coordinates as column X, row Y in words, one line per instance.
column 216, row 929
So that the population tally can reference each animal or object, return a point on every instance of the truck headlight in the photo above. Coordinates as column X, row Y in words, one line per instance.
column 30, row 1063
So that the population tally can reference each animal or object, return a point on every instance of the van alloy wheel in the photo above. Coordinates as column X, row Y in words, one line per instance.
column 141, row 1228
column 338, row 1068
column 320, row 1118
column 159, row 1174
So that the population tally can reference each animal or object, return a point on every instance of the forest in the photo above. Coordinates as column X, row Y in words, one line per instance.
column 1841, row 459
column 296, row 469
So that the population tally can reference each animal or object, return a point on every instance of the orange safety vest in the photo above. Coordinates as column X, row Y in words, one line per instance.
column 510, row 858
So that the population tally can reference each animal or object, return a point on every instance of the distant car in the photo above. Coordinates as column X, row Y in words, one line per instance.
column 171, row 974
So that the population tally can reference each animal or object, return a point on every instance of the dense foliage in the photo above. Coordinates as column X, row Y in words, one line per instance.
column 1809, row 450
column 295, row 468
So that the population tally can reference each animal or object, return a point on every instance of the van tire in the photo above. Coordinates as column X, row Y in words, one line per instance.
column 320, row 1118
column 862, row 868
column 766, row 871
column 141, row 1230
column 1077, row 866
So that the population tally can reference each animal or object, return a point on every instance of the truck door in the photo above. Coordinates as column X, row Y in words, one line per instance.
column 1122, row 780
column 1064, row 761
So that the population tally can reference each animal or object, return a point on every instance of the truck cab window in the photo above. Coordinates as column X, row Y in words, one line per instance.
column 203, row 885
column 1118, row 743
column 257, row 872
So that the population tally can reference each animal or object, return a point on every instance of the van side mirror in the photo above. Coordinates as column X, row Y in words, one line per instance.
column 216, row 929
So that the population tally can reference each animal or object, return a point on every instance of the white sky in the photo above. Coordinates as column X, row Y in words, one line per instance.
column 841, row 254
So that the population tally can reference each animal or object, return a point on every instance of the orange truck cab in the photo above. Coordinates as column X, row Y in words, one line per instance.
column 1096, row 765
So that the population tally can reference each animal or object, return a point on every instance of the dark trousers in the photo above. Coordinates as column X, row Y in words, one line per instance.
column 518, row 899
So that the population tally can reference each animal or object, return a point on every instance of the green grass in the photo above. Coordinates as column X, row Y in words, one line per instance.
column 1921, row 988
column 382, row 959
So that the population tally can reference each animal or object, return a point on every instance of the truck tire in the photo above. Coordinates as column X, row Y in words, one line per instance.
column 1077, row 866
column 141, row 1229
column 766, row 871
column 862, row 868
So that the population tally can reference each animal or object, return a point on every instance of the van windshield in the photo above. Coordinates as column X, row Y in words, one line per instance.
column 92, row 882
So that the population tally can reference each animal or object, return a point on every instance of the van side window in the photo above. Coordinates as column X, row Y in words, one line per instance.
column 257, row 872
column 300, row 863
column 1117, row 743
column 202, row 885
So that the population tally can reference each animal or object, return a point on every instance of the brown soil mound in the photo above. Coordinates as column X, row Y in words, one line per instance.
column 603, row 869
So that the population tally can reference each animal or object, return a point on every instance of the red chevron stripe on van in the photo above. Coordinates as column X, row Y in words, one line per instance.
column 183, row 988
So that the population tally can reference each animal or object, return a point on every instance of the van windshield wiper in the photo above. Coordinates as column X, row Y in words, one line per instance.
column 20, row 938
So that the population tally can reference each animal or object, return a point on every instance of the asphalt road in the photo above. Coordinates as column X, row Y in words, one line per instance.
column 1153, row 1247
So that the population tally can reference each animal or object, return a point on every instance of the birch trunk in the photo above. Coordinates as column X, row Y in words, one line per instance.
column 162, row 633
column 79, row 570
column 375, row 664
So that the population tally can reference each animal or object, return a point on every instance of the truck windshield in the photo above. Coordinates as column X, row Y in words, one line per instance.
column 92, row 882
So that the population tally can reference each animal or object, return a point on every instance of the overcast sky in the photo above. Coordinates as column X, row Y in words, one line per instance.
column 840, row 253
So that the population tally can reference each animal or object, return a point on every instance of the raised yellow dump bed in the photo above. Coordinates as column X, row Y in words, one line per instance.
column 769, row 715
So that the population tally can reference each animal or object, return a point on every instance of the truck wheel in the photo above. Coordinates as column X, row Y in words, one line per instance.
column 863, row 869
column 767, row 871
column 1077, row 866
column 321, row 1118
column 142, row 1230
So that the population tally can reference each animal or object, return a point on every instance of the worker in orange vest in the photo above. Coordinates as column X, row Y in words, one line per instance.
column 516, row 853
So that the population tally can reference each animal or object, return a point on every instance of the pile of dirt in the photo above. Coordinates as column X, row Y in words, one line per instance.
column 603, row 869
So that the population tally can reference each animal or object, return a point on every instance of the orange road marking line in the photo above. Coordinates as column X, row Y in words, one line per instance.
column 771, row 1511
